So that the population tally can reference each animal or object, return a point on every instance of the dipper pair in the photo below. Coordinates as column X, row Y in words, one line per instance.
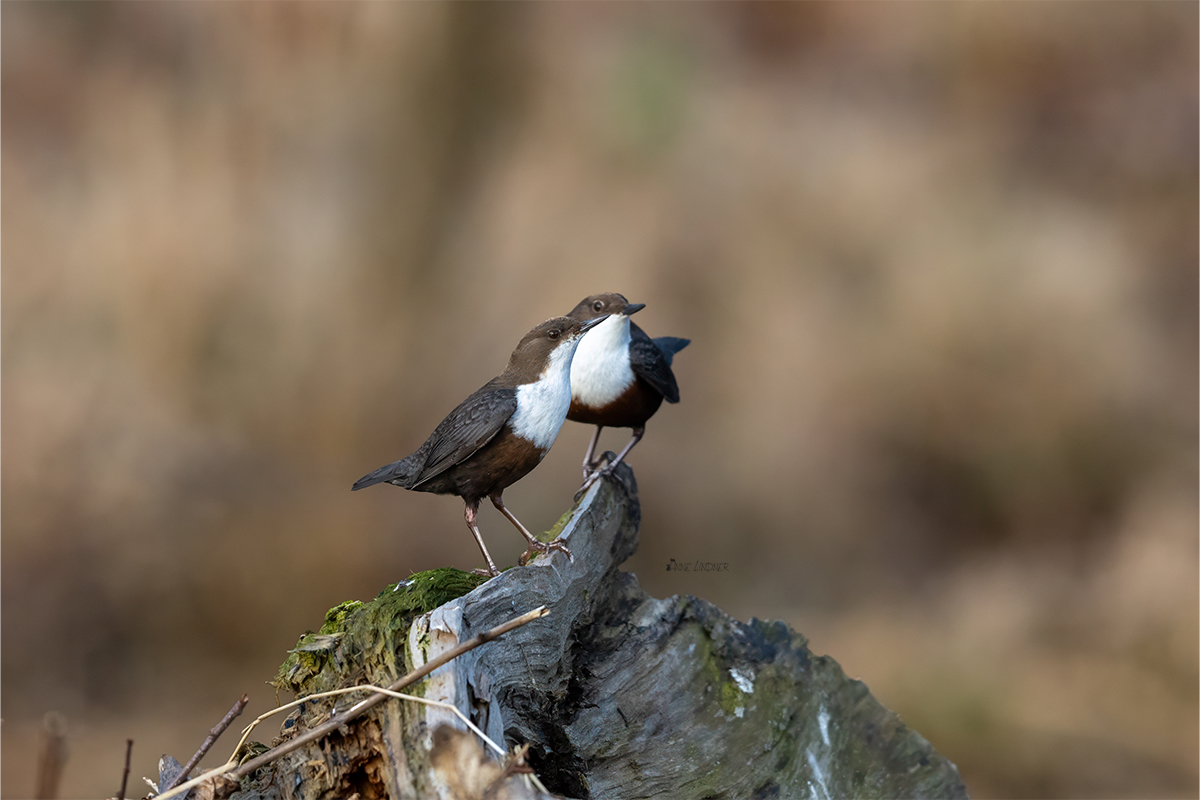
column 620, row 376
column 498, row 434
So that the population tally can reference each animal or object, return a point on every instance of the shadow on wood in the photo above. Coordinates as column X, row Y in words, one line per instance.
column 619, row 695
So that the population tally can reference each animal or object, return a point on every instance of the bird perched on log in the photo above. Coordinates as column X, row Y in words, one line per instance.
column 620, row 376
column 499, row 433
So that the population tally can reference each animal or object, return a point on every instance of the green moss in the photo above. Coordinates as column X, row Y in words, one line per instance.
column 559, row 527
column 731, row 697
column 713, row 673
column 368, row 638
column 427, row 590
column 335, row 617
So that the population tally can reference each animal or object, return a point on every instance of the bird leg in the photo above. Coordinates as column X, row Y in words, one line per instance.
column 491, row 571
column 638, row 433
column 588, row 465
column 534, row 545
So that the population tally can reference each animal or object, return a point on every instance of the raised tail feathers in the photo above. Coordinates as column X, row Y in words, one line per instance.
column 670, row 345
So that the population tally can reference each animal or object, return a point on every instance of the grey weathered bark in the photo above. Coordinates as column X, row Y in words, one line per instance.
column 620, row 695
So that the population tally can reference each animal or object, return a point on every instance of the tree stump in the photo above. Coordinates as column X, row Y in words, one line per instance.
column 617, row 694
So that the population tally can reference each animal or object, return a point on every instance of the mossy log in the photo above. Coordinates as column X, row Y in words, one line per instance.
column 618, row 695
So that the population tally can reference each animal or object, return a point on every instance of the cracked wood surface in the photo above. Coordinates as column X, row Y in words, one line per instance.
column 618, row 694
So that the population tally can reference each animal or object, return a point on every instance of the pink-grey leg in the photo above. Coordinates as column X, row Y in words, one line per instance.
column 638, row 433
column 534, row 545
column 588, row 466
column 491, row 571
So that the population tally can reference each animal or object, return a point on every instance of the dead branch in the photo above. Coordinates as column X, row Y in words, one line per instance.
column 52, row 755
column 211, row 739
column 125, row 774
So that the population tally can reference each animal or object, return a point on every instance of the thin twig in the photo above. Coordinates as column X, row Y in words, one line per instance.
column 213, row 734
column 367, row 687
column 125, row 774
column 512, row 765
column 236, row 772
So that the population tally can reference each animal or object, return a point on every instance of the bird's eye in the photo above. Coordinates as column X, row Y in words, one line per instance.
column 553, row 333
column 598, row 305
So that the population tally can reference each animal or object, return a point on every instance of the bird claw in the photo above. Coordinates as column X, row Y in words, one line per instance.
column 537, row 548
column 485, row 573
column 590, row 479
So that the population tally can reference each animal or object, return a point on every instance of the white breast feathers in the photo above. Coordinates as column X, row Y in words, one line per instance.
column 601, row 370
column 542, row 405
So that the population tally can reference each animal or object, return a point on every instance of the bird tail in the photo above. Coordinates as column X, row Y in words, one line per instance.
column 670, row 345
column 400, row 472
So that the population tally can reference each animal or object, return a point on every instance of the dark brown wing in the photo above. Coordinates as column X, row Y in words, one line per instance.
column 466, row 429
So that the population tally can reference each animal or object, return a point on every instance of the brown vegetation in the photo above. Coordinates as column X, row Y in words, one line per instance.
column 938, row 263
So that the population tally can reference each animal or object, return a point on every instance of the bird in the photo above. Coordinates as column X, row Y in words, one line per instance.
column 498, row 434
column 619, row 376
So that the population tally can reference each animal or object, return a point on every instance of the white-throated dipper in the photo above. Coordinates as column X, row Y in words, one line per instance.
column 620, row 376
column 499, row 433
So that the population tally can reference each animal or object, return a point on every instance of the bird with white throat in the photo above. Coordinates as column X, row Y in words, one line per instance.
column 619, row 376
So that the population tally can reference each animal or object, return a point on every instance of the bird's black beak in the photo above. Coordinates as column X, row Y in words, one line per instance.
column 591, row 323
column 632, row 308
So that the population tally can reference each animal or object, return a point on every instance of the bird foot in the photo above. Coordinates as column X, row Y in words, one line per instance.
column 485, row 573
column 590, row 468
column 537, row 548
column 595, row 476
column 601, row 468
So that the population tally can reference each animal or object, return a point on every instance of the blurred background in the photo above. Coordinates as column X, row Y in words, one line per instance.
column 938, row 263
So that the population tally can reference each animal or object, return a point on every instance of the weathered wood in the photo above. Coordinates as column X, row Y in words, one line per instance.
column 618, row 694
